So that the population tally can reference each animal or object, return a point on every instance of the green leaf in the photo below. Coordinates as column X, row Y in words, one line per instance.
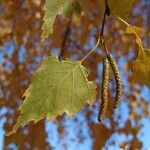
column 141, row 68
column 121, row 8
column 57, row 87
column 54, row 8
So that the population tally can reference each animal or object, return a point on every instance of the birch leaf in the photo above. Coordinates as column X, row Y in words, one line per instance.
column 121, row 8
column 136, row 31
column 57, row 7
column 141, row 68
column 57, row 87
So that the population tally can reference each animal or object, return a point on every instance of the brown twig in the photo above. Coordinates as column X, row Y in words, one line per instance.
column 102, row 40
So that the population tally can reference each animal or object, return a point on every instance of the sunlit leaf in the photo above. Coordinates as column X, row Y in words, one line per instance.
column 137, row 32
column 121, row 8
column 54, row 8
column 141, row 68
column 131, row 29
column 57, row 87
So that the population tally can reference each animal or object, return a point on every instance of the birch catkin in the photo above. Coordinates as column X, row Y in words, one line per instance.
column 104, row 89
column 116, row 72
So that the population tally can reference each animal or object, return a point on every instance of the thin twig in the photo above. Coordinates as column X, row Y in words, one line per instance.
column 101, row 36
column 106, row 13
column 107, row 8
column 103, row 24
column 102, row 40
column 91, row 51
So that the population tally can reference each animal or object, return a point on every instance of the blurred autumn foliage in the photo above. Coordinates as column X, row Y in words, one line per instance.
column 21, row 51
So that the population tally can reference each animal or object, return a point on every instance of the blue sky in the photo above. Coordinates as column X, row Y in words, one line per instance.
column 71, row 126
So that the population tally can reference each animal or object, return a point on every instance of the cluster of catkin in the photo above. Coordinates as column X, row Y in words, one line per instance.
column 109, row 61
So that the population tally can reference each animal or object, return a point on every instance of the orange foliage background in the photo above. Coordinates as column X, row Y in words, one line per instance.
column 22, row 50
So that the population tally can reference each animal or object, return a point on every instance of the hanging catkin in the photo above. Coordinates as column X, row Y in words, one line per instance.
column 116, row 72
column 104, row 89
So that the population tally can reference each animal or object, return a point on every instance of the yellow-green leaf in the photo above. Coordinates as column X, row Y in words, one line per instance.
column 137, row 32
column 57, row 87
column 131, row 29
column 141, row 68
column 121, row 8
column 54, row 8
